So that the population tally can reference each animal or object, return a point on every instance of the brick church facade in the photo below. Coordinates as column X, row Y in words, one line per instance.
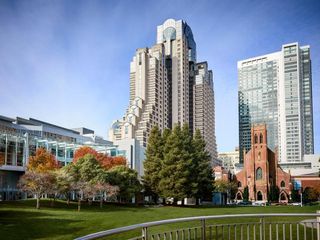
column 261, row 170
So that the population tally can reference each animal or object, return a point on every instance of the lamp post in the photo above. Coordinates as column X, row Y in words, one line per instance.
column 301, row 196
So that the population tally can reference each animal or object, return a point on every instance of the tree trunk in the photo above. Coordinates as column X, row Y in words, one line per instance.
column 79, row 204
column 197, row 201
column 68, row 201
column 174, row 201
column 38, row 201
column 156, row 199
column 182, row 202
column 101, row 202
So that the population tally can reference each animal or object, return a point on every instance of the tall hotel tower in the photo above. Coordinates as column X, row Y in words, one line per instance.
column 168, row 87
column 276, row 89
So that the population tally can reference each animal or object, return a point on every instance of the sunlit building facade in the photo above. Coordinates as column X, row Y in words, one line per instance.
column 162, row 88
column 20, row 138
column 276, row 89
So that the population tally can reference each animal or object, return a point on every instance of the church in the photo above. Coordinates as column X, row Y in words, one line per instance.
column 261, row 170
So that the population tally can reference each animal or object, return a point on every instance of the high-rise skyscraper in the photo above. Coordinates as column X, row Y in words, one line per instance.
column 165, row 84
column 180, row 51
column 203, row 107
column 148, row 96
column 276, row 89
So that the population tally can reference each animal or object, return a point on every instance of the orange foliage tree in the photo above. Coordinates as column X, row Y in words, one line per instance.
column 106, row 161
column 82, row 151
column 42, row 162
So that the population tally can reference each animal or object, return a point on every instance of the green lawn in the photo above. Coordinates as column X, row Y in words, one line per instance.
column 20, row 220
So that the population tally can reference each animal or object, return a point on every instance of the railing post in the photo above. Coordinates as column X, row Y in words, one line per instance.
column 203, row 229
column 262, row 229
column 145, row 233
column 318, row 226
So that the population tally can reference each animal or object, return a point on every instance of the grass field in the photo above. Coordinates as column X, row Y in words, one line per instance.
column 20, row 219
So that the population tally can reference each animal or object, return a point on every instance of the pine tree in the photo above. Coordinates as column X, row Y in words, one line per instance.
column 152, row 163
column 175, row 166
column 201, row 168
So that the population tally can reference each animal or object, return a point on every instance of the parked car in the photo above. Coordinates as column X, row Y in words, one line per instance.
column 259, row 203
column 247, row 203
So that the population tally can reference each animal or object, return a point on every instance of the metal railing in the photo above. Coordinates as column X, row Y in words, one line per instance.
column 264, row 229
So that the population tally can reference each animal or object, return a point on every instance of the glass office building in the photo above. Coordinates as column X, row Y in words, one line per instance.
column 258, row 84
column 20, row 138
column 276, row 89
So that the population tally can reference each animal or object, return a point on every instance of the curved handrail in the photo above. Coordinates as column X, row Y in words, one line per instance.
column 188, row 219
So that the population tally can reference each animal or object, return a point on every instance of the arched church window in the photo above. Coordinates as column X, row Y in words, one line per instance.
column 259, row 174
column 255, row 138
column 239, row 184
column 261, row 138
column 282, row 184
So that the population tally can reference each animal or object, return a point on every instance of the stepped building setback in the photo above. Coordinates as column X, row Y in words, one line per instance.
column 167, row 87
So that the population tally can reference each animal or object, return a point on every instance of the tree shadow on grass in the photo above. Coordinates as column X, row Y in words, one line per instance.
column 16, row 224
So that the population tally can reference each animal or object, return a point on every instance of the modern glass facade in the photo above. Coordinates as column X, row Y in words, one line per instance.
column 19, row 141
column 276, row 89
column 258, row 84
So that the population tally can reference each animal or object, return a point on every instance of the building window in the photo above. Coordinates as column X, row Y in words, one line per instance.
column 282, row 184
column 255, row 138
column 259, row 174
column 261, row 138
column 239, row 184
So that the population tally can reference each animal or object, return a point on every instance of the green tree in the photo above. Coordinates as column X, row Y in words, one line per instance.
column 127, row 181
column 176, row 166
column 295, row 195
column 201, row 168
column 273, row 194
column 310, row 195
column 85, row 173
column 220, row 185
column 246, row 194
column 152, row 163
column 64, row 183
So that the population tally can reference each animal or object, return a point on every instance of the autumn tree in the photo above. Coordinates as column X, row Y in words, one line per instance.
column 36, row 183
column 104, row 160
column 42, row 162
column 39, row 178
column 82, row 151
column 105, row 190
column 108, row 162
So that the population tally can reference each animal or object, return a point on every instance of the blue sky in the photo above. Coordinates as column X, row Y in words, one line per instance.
column 67, row 62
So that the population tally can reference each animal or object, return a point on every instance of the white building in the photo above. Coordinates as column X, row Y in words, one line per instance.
column 230, row 161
